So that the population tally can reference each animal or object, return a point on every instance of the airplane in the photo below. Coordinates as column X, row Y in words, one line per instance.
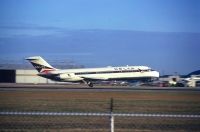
column 90, row 75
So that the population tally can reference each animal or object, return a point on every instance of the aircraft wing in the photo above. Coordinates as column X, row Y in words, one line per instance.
column 95, row 78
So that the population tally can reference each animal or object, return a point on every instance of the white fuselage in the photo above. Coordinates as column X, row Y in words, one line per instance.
column 107, row 73
column 87, row 75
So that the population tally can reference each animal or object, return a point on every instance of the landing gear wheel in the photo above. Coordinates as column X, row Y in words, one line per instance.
column 90, row 84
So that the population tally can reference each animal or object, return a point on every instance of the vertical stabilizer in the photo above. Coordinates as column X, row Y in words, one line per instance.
column 39, row 63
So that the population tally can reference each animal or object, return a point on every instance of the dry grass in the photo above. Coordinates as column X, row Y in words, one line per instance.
column 174, row 102
column 140, row 102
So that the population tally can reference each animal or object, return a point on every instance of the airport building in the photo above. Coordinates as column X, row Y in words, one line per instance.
column 194, row 81
column 176, row 80
column 22, row 76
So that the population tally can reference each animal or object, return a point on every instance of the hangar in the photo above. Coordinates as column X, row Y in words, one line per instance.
column 22, row 76
column 7, row 76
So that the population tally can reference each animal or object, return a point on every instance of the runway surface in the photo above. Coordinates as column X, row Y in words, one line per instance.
column 85, row 88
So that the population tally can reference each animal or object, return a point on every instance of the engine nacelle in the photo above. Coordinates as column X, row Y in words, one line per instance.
column 64, row 76
column 69, row 77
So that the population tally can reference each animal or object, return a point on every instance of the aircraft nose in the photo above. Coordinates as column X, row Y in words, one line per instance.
column 156, row 74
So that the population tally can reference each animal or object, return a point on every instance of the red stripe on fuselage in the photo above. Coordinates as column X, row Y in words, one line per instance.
column 46, row 71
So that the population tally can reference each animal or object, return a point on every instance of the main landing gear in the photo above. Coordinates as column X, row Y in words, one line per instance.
column 90, row 84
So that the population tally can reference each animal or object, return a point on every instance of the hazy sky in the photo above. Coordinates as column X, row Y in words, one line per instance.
column 163, row 34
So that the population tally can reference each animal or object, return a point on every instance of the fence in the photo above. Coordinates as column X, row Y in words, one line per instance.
column 97, row 121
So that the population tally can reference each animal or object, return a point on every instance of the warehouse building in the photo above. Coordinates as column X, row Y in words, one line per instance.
column 7, row 76
column 22, row 76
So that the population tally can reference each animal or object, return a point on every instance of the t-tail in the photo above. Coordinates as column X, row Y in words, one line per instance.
column 40, row 64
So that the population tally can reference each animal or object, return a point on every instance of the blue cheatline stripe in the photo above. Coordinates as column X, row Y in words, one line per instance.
column 100, row 114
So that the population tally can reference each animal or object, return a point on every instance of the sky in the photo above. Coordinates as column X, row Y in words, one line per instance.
column 162, row 34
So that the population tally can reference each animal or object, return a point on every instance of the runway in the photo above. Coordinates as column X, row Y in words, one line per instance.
column 85, row 88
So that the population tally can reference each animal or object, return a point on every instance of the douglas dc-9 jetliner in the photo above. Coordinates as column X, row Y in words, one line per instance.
column 89, row 75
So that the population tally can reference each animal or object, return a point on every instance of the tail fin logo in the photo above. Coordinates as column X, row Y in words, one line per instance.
column 39, row 67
